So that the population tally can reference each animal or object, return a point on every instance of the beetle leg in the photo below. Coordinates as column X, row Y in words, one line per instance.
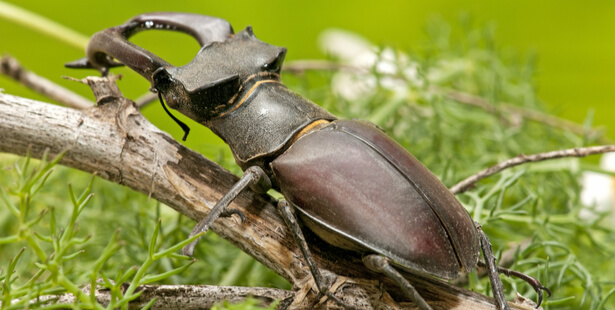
column 492, row 270
column 231, row 212
column 252, row 176
column 292, row 224
column 381, row 264
column 538, row 287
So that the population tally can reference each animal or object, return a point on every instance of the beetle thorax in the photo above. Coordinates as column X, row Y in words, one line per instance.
column 210, row 85
column 265, row 121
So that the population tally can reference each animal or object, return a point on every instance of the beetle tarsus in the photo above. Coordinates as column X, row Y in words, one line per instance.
column 538, row 287
column 381, row 264
column 252, row 175
column 231, row 212
column 292, row 224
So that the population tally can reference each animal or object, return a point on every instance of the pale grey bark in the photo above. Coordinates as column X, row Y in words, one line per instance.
column 116, row 142
column 470, row 181
column 181, row 297
column 10, row 67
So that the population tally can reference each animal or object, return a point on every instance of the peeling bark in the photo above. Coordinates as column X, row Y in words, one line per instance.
column 116, row 142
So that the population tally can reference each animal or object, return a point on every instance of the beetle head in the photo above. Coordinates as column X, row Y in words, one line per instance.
column 209, row 85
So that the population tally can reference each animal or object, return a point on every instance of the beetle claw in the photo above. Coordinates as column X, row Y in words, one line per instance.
column 230, row 212
column 536, row 285
column 539, row 288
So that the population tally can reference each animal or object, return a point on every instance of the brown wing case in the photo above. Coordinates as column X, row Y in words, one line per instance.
column 350, row 179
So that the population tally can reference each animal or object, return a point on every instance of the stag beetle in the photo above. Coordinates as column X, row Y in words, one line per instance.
column 349, row 182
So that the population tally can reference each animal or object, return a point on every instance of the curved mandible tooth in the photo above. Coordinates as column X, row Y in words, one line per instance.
column 111, row 47
column 205, row 29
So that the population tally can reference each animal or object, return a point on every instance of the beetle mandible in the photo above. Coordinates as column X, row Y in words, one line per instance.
column 349, row 182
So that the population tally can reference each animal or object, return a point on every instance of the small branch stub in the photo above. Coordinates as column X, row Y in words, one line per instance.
column 118, row 143
column 104, row 88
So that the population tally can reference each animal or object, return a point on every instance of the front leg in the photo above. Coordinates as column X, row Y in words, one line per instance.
column 252, row 176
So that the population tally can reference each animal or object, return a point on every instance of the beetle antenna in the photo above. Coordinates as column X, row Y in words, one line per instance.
column 181, row 124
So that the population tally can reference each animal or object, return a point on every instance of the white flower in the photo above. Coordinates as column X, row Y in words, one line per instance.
column 598, row 194
column 352, row 49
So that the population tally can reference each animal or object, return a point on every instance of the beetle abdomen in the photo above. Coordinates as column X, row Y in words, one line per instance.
column 358, row 189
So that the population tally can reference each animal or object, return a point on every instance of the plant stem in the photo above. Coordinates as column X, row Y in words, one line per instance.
column 39, row 23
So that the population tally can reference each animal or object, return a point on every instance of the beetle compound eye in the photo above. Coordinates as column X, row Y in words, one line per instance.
column 272, row 67
column 276, row 64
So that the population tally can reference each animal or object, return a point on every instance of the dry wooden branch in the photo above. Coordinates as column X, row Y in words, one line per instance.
column 185, row 297
column 10, row 67
column 146, row 99
column 116, row 142
column 522, row 159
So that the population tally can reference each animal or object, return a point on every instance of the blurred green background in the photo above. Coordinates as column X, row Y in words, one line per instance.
column 572, row 40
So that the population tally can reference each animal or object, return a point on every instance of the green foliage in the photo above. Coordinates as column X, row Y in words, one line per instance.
column 50, row 267
column 41, row 243
column 127, row 238
column 535, row 203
